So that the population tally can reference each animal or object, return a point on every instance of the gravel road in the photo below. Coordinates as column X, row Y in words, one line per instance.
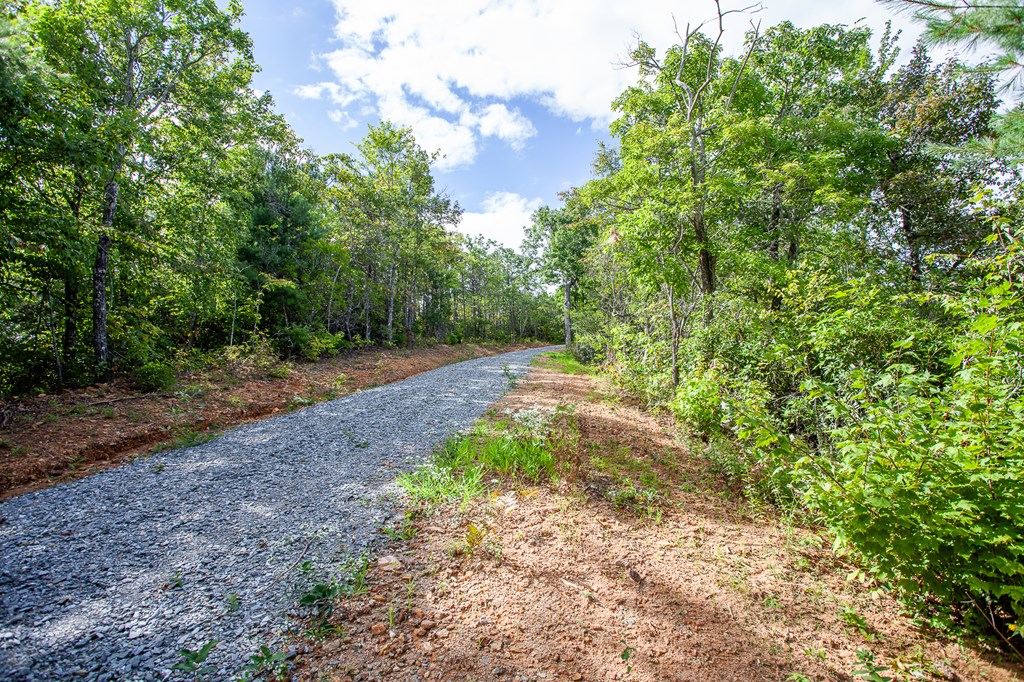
column 108, row 577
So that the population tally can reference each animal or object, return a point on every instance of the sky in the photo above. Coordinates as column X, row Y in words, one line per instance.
column 514, row 94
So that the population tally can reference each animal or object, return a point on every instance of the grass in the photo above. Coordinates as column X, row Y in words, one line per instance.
column 564, row 362
column 458, row 469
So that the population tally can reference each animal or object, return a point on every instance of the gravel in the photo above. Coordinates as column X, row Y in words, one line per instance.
column 108, row 577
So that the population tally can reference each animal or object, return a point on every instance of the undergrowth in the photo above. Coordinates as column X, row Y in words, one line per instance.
column 522, row 447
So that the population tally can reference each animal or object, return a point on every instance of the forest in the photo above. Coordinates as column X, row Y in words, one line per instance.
column 809, row 253
column 154, row 207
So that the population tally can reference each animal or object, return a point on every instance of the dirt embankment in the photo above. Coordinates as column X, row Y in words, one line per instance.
column 640, row 565
column 51, row 438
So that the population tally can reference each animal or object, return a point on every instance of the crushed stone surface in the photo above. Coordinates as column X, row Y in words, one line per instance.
column 108, row 577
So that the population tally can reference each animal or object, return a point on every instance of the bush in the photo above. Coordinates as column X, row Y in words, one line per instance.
column 926, row 482
column 154, row 376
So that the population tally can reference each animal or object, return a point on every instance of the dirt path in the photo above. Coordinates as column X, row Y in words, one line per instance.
column 640, row 564
column 52, row 438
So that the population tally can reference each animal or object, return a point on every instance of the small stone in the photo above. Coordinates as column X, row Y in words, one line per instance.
column 442, row 633
column 427, row 624
column 379, row 629
column 389, row 563
column 332, row 646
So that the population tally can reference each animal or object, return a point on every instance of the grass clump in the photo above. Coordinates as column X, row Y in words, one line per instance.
column 565, row 363
column 516, row 448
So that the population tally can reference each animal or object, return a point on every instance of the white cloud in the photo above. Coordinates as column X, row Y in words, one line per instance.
column 342, row 118
column 450, row 69
column 503, row 219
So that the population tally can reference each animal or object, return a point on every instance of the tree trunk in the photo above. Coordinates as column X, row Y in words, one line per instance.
column 568, row 319
column 906, row 223
column 706, row 265
column 391, row 304
column 675, row 336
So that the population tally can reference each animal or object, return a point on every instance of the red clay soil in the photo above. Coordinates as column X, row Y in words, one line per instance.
column 576, row 581
column 51, row 438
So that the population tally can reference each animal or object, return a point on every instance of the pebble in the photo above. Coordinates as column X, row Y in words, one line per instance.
column 157, row 545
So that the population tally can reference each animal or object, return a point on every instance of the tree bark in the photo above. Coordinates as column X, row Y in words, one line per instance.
column 906, row 223
column 568, row 318
column 101, row 344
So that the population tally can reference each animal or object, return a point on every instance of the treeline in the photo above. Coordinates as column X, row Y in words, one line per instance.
column 152, row 204
column 813, row 258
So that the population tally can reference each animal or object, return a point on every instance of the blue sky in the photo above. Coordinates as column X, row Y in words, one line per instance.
column 515, row 93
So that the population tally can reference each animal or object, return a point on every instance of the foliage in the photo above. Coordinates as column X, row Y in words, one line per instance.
column 171, row 210
column 154, row 376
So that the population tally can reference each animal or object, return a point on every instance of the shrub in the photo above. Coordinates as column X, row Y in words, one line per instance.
column 154, row 376
column 926, row 481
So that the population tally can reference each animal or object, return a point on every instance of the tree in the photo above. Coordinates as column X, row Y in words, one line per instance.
column 561, row 237
column 138, row 67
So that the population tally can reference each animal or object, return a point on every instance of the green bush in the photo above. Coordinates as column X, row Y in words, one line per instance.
column 699, row 400
column 925, row 485
column 154, row 376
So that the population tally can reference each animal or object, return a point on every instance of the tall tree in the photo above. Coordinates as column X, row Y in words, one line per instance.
column 136, row 66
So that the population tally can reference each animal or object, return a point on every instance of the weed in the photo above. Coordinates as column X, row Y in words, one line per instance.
column 266, row 661
column 626, row 654
column 194, row 662
column 856, row 621
column 513, row 380
column 798, row 677
column 19, row 451
column 279, row 371
column 433, row 485
column 869, row 670
column 108, row 412
column 188, row 439
column 174, row 582
column 410, row 593
column 404, row 533
column 771, row 603
column 818, row 654
column 158, row 467
column 639, row 500
column 471, row 541
column 235, row 401
column 231, row 602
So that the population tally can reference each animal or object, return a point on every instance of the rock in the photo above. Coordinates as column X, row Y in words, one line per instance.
column 378, row 629
column 427, row 624
column 332, row 646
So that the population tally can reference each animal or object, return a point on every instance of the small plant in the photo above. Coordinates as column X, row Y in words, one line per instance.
column 279, row 371
column 405, row 532
column 194, row 662
column 231, row 602
column 857, row 622
column 266, row 661
column 798, row 677
column 513, row 380
column 471, row 541
column 626, row 654
column 869, row 670
column 158, row 467
column 174, row 582
column 410, row 593
column 235, row 401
